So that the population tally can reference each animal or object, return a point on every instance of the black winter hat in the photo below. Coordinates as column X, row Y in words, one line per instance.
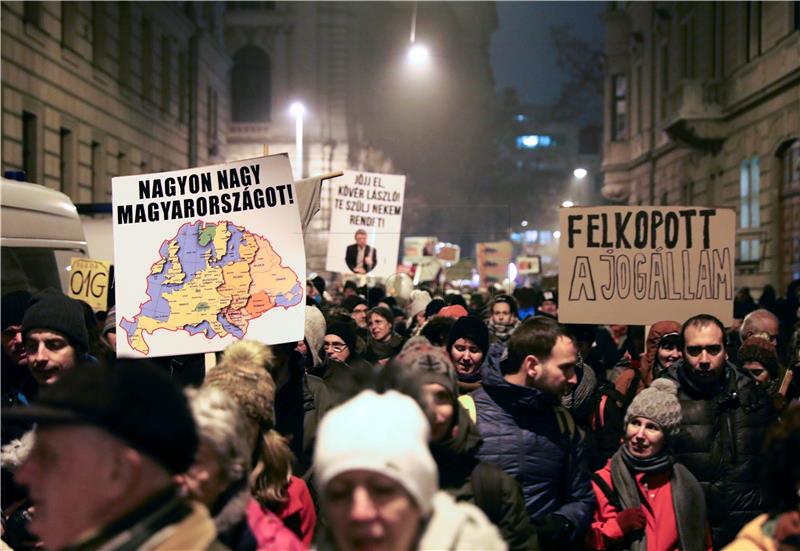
column 383, row 312
column 131, row 399
column 506, row 299
column 55, row 311
column 352, row 301
column 433, row 307
column 13, row 308
column 472, row 328
column 346, row 332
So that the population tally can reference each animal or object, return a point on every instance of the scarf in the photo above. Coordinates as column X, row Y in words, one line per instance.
column 386, row 349
column 688, row 500
column 501, row 332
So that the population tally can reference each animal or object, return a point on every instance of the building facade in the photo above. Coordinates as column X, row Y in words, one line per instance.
column 702, row 107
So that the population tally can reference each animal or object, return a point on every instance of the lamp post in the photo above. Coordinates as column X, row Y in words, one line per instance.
column 418, row 55
column 298, row 110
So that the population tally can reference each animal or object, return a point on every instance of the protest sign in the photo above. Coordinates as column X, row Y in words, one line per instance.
column 366, row 216
column 529, row 265
column 639, row 265
column 88, row 281
column 449, row 253
column 493, row 259
column 207, row 256
column 417, row 248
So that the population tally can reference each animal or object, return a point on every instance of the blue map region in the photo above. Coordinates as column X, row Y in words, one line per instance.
column 129, row 326
column 232, row 253
column 203, row 327
column 230, row 327
column 190, row 253
column 296, row 296
column 157, row 307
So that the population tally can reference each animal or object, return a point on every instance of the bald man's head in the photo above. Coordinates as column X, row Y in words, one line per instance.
column 758, row 322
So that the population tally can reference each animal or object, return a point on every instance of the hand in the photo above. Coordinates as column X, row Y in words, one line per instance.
column 554, row 529
column 788, row 526
column 631, row 520
column 368, row 261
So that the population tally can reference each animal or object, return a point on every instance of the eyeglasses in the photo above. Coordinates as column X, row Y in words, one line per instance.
column 335, row 346
column 712, row 349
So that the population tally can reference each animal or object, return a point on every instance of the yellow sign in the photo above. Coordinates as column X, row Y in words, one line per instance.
column 88, row 281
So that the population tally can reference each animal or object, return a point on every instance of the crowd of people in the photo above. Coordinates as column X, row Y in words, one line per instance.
column 445, row 420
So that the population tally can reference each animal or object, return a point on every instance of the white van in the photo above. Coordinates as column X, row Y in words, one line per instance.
column 41, row 233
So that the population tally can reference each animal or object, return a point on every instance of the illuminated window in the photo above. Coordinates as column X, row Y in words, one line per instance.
column 749, row 191
column 533, row 141
column 619, row 106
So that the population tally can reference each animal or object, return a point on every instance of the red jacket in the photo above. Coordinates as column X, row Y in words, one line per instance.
column 661, row 530
column 299, row 514
column 268, row 530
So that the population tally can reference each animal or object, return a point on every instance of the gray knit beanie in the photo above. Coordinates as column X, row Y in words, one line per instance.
column 659, row 403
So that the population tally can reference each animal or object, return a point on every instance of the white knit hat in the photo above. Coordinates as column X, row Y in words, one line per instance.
column 419, row 301
column 386, row 433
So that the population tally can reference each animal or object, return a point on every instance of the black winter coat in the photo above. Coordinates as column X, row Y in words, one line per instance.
column 456, row 461
column 720, row 442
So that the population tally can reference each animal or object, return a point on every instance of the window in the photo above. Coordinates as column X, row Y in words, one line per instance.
column 687, row 49
column 66, row 160
column 664, row 79
column 99, row 35
column 124, row 30
column 534, row 141
column 791, row 168
column 211, row 123
column 619, row 107
column 166, row 74
column 183, row 87
column 789, row 240
column 69, row 24
column 147, row 59
column 30, row 155
column 32, row 13
column 749, row 200
column 639, row 98
column 251, row 85
column 753, row 26
column 97, row 176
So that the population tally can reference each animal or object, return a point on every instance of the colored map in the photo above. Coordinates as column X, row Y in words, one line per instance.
column 212, row 278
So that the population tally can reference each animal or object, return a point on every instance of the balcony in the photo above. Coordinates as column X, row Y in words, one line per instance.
column 694, row 114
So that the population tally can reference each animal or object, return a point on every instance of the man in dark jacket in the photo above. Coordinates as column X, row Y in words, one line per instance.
column 531, row 437
column 360, row 257
column 725, row 418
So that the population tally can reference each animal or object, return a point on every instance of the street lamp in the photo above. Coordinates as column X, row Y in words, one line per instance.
column 567, row 204
column 580, row 173
column 418, row 55
column 524, row 224
column 557, row 234
column 298, row 110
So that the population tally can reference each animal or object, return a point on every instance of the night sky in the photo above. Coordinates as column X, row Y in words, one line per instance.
column 522, row 54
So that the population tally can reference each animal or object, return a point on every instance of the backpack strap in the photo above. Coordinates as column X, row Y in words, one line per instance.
column 488, row 491
column 608, row 491
column 566, row 424
column 468, row 404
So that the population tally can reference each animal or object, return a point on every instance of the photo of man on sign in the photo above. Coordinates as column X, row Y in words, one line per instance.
column 360, row 257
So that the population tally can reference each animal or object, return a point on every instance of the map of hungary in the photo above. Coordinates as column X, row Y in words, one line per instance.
column 212, row 278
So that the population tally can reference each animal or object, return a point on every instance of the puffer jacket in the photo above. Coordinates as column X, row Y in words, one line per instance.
column 521, row 435
column 720, row 443
column 456, row 461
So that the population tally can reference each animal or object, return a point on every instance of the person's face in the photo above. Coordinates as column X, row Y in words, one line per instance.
column 361, row 239
column 301, row 347
column 65, row 474
column 644, row 438
column 668, row 353
column 549, row 307
column 204, row 481
column 359, row 315
column 501, row 313
column 466, row 356
column 441, row 405
column 349, row 292
column 758, row 371
column 556, row 375
column 619, row 331
column 367, row 510
column 336, row 348
column 13, row 345
column 379, row 327
column 49, row 353
column 704, row 351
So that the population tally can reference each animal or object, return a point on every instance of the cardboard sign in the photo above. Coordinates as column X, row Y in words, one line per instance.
column 640, row 265
column 366, row 217
column 208, row 256
column 449, row 253
column 529, row 265
column 89, row 282
column 493, row 259
column 417, row 248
